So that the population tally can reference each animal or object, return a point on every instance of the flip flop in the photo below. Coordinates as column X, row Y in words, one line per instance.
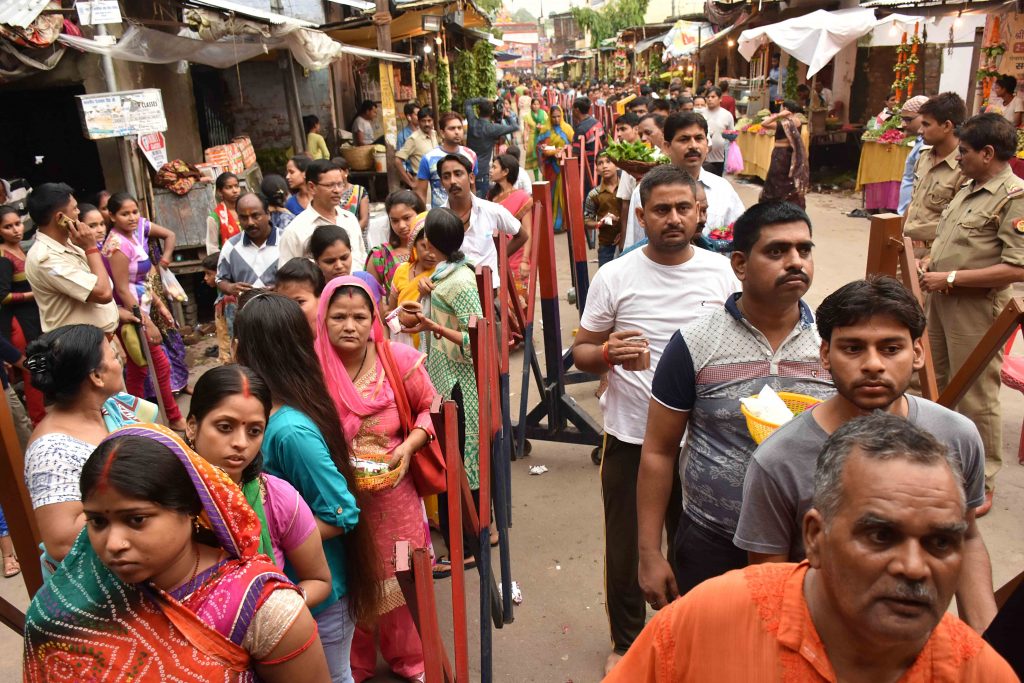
column 443, row 566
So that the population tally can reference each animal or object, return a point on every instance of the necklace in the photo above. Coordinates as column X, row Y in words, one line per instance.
column 366, row 352
column 195, row 571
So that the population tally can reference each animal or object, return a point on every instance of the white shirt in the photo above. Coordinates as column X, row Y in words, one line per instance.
column 295, row 239
column 486, row 218
column 635, row 293
column 524, row 182
column 365, row 127
column 718, row 120
column 724, row 207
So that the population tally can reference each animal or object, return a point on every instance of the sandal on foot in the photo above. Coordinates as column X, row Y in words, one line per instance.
column 11, row 566
column 443, row 566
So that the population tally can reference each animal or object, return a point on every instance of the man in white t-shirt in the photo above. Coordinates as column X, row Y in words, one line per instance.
column 635, row 304
column 686, row 143
column 324, row 180
column 481, row 218
column 719, row 120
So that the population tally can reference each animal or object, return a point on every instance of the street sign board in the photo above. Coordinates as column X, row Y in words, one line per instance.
column 120, row 114
column 98, row 12
column 154, row 147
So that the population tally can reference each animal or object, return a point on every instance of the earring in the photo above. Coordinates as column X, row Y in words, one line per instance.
column 195, row 525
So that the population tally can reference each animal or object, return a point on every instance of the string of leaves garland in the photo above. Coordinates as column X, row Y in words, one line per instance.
column 610, row 19
column 444, row 94
column 791, row 81
column 474, row 74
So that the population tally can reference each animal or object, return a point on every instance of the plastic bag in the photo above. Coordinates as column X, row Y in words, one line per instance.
column 733, row 159
column 171, row 285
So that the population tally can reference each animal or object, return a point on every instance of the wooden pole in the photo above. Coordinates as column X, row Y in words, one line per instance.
column 18, row 510
column 382, row 21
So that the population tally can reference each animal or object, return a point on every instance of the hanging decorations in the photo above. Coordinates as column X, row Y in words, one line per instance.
column 991, row 51
column 905, row 69
column 621, row 65
column 789, row 85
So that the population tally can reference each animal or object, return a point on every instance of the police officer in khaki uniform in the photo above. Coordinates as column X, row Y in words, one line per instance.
column 937, row 175
column 977, row 254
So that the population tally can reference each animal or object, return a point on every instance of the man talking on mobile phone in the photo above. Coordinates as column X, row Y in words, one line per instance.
column 64, row 266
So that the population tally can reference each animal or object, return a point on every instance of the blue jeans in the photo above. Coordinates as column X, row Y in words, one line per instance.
column 336, row 630
column 605, row 254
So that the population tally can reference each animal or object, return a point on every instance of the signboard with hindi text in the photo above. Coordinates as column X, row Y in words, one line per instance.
column 122, row 114
column 1012, row 35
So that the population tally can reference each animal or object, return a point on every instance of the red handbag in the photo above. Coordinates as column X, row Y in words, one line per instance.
column 427, row 467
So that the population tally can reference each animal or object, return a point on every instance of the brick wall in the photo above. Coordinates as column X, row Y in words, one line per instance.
column 256, row 93
column 874, row 77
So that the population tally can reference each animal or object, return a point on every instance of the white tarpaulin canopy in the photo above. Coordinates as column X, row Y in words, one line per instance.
column 312, row 49
column 814, row 38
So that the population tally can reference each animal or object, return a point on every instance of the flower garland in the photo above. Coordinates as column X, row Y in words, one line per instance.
column 991, row 51
column 906, row 65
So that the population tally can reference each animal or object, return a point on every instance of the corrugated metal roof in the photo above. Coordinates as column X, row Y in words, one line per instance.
column 21, row 13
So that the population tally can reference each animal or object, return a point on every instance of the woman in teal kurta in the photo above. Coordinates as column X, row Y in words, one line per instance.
column 305, row 446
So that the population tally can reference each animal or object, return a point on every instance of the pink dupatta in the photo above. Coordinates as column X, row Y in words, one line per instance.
column 352, row 406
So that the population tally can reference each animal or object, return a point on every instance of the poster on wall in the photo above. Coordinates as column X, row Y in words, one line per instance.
column 1011, row 34
column 120, row 114
column 387, row 102
column 154, row 147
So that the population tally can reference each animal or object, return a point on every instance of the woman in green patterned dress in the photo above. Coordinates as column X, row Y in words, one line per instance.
column 453, row 300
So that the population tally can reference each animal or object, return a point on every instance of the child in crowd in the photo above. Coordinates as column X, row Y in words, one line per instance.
column 302, row 282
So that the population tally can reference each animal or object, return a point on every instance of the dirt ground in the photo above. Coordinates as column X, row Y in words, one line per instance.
column 560, row 633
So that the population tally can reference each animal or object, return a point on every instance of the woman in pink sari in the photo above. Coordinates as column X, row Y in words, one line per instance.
column 352, row 346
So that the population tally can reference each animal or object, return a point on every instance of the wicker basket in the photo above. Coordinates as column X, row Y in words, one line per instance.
column 761, row 430
column 637, row 169
column 378, row 482
column 359, row 158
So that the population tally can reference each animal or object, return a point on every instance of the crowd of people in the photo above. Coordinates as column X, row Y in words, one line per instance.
column 253, row 537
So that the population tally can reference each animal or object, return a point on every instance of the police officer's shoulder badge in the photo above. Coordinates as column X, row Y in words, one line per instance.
column 1015, row 191
column 1018, row 226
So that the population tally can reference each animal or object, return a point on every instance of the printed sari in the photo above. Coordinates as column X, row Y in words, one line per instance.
column 86, row 624
column 788, row 176
column 373, row 429
column 533, row 122
column 557, row 137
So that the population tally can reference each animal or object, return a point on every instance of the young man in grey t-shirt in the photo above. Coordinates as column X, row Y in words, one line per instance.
column 871, row 343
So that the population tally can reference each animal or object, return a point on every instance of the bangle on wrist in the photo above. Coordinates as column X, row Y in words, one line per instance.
column 604, row 354
column 92, row 250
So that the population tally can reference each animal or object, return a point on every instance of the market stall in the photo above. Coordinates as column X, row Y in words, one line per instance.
column 880, row 172
column 756, row 148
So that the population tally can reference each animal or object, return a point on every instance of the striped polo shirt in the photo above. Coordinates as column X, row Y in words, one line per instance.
column 705, row 370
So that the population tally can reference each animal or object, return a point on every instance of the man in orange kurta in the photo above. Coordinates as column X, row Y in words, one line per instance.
column 884, row 547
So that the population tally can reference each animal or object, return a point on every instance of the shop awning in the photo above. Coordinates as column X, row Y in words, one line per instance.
column 814, row 38
column 645, row 45
column 409, row 24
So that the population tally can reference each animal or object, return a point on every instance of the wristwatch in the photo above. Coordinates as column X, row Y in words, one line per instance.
column 950, row 278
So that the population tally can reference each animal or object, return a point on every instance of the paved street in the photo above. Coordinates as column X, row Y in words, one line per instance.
column 560, row 631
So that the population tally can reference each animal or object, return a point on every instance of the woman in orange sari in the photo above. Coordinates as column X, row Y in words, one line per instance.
column 166, row 583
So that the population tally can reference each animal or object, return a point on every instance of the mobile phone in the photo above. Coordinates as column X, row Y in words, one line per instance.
column 65, row 222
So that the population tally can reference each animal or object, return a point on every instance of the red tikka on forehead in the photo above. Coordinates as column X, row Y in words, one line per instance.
column 103, row 480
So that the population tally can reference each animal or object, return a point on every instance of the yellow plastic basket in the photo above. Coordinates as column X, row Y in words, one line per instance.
column 377, row 482
column 761, row 430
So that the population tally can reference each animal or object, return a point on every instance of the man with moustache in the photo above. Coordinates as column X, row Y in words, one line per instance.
column 249, row 259
column 884, row 545
column 871, row 344
column 685, row 141
column 480, row 218
column 635, row 304
column 763, row 335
